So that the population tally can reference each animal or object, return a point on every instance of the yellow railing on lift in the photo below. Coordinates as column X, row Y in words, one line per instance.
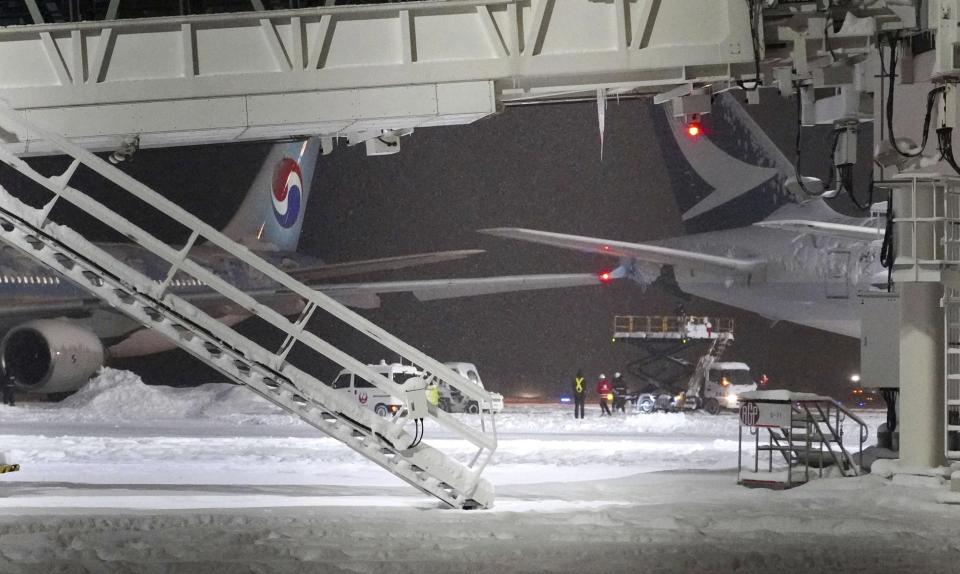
column 669, row 323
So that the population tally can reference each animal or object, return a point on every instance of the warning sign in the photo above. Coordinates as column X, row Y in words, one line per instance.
column 765, row 414
column 749, row 413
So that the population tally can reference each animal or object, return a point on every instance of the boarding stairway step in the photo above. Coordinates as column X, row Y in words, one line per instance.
column 802, row 437
column 454, row 478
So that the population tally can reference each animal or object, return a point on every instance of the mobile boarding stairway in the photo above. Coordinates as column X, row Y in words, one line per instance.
column 800, row 432
column 282, row 375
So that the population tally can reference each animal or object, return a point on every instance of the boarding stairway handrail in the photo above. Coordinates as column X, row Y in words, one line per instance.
column 814, row 417
column 269, row 373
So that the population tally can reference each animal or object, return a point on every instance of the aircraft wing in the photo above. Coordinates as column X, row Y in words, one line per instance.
column 309, row 274
column 651, row 253
column 838, row 230
column 366, row 295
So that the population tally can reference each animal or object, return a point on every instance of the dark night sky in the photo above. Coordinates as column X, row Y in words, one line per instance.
column 537, row 167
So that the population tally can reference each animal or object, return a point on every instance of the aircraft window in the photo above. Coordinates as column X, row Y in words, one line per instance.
column 738, row 377
column 361, row 383
column 342, row 382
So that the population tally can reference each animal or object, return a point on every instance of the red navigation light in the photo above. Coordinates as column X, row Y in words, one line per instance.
column 693, row 129
column 605, row 277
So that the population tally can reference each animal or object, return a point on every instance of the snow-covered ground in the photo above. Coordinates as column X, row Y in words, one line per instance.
column 123, row 477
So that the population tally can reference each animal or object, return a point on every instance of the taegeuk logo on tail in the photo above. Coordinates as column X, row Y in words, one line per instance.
column 287, row 192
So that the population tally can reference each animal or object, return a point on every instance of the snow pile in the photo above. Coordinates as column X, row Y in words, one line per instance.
column 552, row 419
column 123, row 398
column 122, row 395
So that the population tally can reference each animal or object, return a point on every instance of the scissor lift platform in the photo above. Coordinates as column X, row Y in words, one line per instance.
column 670, row 327
column 671, row 345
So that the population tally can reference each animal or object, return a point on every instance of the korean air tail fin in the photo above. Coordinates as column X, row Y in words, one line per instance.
column 271, row 215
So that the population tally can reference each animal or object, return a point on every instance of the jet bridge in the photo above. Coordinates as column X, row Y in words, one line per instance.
column 281, row 374
column 367, row 73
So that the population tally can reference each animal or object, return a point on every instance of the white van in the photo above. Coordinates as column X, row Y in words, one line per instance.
column 367, row 395
column 453, row 401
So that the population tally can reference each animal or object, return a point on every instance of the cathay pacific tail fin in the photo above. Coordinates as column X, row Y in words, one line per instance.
column 731, row 175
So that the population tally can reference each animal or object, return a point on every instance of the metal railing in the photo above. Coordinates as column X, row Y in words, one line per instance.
column 670, row 323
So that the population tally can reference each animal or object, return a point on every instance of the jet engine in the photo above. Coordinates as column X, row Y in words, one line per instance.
column 51, row 356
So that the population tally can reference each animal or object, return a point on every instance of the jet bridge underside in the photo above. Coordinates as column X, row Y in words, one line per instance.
column 353, row 70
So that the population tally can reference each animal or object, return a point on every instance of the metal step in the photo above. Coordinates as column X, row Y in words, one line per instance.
column 387, row 442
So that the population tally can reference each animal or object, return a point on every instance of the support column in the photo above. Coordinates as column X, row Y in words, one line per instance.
column 921, row 375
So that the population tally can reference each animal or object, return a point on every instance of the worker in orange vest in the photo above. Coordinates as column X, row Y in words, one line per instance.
column 605, row 390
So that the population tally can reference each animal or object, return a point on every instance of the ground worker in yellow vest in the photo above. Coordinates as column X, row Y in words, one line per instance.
column 579, row 395
column 433, row 393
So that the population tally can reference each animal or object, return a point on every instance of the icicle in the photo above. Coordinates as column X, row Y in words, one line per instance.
column 601, row 115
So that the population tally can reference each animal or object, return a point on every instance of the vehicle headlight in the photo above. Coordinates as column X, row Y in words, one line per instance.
column 732, row 399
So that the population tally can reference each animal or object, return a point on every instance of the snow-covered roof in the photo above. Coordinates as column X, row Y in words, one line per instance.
column 730, row 366
column 781, row 395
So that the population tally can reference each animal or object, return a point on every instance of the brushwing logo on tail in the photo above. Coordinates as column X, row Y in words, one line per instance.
column 287, row 192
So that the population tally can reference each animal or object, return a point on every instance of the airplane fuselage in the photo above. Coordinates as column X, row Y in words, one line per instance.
column 808, row 279
column 29, row 289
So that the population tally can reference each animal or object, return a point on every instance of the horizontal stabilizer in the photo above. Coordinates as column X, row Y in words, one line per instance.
column 328, row 271
column 822, row 228
column 366, row 295
column 640, row 251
